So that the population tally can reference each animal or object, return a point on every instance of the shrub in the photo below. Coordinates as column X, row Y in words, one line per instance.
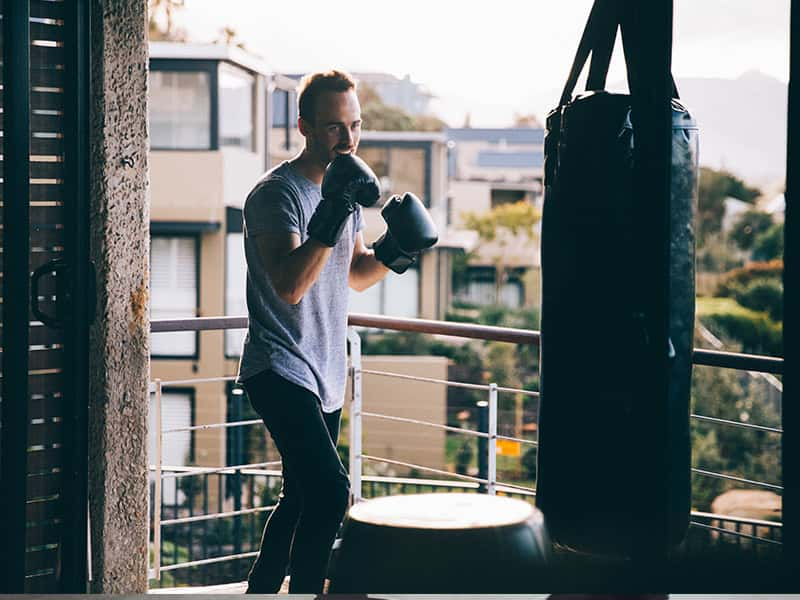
column 737, row 279
column 763, row 295
column 769, row 245
column 758, row 334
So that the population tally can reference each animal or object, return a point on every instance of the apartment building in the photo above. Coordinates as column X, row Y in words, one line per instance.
column 218, row 119
column 487, row 168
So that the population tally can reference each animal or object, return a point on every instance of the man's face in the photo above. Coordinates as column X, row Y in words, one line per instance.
column 337, row 125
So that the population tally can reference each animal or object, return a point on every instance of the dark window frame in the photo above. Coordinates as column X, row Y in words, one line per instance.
column 195, row 66
column 197, row 258
column 426, row 146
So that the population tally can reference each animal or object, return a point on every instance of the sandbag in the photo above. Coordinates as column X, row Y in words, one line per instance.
column 596, row 480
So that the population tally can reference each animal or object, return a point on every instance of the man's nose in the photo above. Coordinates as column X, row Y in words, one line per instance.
column 346, row 136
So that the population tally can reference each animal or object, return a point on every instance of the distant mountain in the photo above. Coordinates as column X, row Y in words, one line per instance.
column 742, row 124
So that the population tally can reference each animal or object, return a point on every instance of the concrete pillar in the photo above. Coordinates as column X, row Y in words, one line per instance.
column 119, row 363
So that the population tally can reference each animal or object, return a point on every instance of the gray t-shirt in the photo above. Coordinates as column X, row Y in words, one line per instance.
column 304, row 343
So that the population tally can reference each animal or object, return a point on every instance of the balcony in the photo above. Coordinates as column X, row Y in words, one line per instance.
column 206, row 521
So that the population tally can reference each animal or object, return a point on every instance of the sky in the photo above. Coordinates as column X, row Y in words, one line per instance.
column 488, row 60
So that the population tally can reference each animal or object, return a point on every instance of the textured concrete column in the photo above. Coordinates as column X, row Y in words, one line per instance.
column 119, row 367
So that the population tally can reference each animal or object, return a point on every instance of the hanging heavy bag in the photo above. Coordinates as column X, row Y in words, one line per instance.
column 599, row 486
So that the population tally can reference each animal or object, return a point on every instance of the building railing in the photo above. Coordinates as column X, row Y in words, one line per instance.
column 721, row 527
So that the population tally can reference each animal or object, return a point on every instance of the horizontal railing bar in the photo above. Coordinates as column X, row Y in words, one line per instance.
column 208, row 561
column 770, row 486
column 152, row 387
column 225, row 470
column 520, row 440
column 737, row 360
column 223, row 515
column 735, row 519
column 519, row 391
column 432, row 470
column 710, row 358
column 471, row 386
column 213, row 426
column 427, row 423
column 735, row 533
column 513, row 488
column 449, row 328
column 737, row 424
column 198, row 324
column 418, row 481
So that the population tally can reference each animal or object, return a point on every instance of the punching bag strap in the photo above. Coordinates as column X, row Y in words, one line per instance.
column 598, row 39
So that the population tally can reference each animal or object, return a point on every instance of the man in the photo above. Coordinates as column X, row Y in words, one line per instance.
column 303, row 246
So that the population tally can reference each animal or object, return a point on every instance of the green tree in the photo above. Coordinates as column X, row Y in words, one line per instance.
column 714, row 186
column 752, row 454
column 378, row 116
column 749, row 226
column 500, row 231
column 769, row 244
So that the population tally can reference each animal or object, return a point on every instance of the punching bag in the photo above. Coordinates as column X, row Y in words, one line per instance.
column 598, row 487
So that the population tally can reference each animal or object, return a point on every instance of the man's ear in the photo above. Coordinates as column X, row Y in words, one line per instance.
column 303, row 126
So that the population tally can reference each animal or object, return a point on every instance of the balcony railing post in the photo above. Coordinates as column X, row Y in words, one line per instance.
column 355, row 414
column 157, row 487
column 492, row 445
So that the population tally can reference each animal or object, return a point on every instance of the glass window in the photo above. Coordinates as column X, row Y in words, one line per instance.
column 235, row 290
column 173, row 292
column 236, row 89
column 180, row 110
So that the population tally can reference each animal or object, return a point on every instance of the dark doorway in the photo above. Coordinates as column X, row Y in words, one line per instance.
column 47, row 296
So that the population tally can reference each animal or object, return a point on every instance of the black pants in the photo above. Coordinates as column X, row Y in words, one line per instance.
column 301, row 529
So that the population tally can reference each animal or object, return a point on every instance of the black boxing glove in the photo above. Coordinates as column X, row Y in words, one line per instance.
column 347, row 181
column 409, row 230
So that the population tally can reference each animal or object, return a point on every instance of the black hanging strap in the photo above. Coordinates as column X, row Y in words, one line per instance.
column 598, row 40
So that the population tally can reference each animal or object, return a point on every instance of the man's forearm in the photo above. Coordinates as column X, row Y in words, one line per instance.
column 366, row 270
column 299, row 269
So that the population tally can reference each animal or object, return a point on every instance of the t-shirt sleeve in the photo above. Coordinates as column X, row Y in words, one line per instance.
column 273, row 207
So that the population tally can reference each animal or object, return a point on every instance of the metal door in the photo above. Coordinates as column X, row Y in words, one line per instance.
column 47, row 296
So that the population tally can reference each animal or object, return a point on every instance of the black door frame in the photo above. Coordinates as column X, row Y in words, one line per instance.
column 76, row 304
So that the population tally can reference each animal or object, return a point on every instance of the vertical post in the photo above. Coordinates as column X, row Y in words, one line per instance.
column 157, row 492
column 355, row 414
column 790, row 421
column 14, row 418
column 483, row 444
column 492, row 445
column 238, row 453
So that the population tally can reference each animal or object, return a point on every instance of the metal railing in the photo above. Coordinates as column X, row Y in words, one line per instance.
column 722, row 526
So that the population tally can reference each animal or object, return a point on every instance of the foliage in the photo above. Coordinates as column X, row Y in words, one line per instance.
column 755, row 331
column 717, row 254
column 378, row 116
column 737, row 279
column 465, row 456
column 496, row 229
column 735, row 396
column 527, row 120
column 763, row 295
column 528, row 462
column 769, row 244
column 161, row 20
column 714, row 187
column 749, row 226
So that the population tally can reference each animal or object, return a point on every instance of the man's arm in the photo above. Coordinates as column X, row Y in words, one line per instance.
column 292, row 267
column 365, row 269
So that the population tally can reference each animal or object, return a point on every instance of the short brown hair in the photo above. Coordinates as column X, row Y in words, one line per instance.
column 313, row 84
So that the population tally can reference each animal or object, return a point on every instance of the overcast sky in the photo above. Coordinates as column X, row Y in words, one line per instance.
column 491, row 58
